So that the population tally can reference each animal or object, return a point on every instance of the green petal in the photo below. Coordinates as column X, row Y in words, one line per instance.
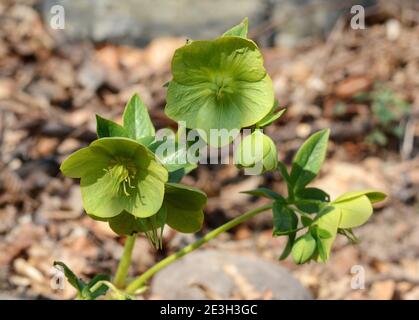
column 127, row 224
column 184, row 207
column 303, row 248
column 100, row 195
column 239, row 30
column 148, row 198
column 119, row 147
column 201, row 61
column 328, row 220
column 124, row 224
column 354, row 211
column 83, row 162
column 373, row 196
column 198, row 107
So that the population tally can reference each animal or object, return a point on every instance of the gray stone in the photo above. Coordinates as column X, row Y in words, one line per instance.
column 136, row 22
column 139, row 21
column 299, row 20
column 218, row 274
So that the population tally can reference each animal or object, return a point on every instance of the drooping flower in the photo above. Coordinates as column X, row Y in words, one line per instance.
column 219, row 84
column 117, row 174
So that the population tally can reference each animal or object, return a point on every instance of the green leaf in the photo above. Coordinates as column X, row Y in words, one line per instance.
column 311, row 200
column 239, row 30
column 308, row 160
column 306, row 221
column 177, row 175
column 184, row 207
column 108, row 128
column 75, row 282
column 303, row 248
column 172, row 155
column 284, row 173
column 101, row 291
column 373, row 196
column 288, row 247
column 266, row 193
column 353, row 211
column 349, row 234
column 136, row 119
column 285, row 220
column 270, row 118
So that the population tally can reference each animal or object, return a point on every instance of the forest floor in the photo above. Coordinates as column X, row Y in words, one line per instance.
column 364, row 85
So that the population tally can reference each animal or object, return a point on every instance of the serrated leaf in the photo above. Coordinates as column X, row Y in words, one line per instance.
column 239, row 30
column 137, row 122
column 75, row 282
column 266, row 193
column 285, row 220
column 308, row 160
column 303, row 248
column 108, row 128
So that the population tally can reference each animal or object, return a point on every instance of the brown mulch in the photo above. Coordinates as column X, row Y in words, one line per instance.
column 49, row 93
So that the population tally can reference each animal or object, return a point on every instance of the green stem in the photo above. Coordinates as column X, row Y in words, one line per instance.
column 124, row 263
column 142, row 279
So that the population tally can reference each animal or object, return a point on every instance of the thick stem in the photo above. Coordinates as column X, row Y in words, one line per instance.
column 141, row 280
column 124, row 263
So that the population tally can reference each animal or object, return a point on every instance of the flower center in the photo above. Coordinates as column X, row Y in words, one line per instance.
column 221, row 86
column 123, row 173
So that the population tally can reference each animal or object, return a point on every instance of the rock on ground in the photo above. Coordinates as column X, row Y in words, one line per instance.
column 285, row 22
column 212, row 274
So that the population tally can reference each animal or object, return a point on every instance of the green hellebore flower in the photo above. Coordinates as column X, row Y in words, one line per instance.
column 257, row 151
column 117, row 174
column 219, row 84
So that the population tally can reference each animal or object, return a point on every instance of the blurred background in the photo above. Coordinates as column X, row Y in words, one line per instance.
column 363, row 83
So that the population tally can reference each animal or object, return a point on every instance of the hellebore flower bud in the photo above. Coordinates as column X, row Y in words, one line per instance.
column 256, row 153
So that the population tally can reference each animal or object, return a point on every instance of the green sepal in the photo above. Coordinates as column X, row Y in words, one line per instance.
column 239, row 30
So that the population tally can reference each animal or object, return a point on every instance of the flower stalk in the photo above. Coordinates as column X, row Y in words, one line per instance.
column 125, row 262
